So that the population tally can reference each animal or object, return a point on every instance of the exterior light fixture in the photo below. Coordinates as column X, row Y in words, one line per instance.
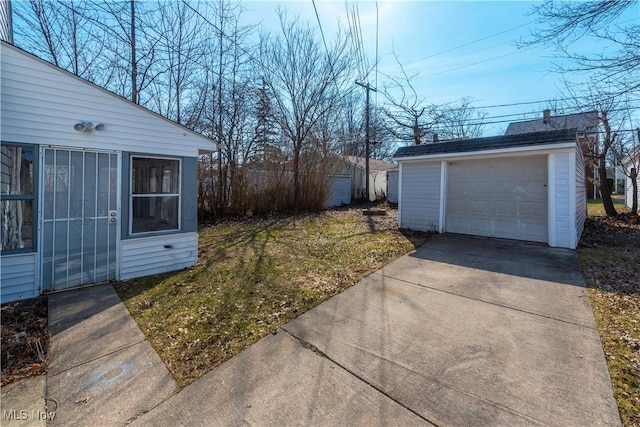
column 87, row 126
column 83, row 126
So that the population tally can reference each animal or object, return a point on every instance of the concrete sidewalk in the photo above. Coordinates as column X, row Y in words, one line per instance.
column 102, row 370
column 462, row 332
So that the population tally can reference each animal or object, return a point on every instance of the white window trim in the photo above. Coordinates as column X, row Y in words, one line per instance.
column 179, row 194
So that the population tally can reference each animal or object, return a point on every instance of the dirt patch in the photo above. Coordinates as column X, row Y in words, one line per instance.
column 623, row 230
column 25, row 339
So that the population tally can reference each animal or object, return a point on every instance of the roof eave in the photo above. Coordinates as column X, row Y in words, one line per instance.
column 489, row 152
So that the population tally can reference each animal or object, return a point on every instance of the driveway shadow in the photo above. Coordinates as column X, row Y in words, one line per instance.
column 509, row 257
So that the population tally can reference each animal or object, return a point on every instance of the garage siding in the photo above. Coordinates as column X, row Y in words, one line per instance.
column 563, row 193
column 420, row 205
column 581, row 195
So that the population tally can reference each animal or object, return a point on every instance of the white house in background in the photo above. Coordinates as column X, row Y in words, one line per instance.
column 527, row 186
column 629, row 162
column 94, row 187
column 355, row 167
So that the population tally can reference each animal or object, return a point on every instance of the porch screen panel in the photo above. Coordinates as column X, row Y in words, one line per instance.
column 76, row 219
column 90, row 208
column 79, row 242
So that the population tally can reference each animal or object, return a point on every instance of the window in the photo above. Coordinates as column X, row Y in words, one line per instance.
column 17, row 198
column 155, row 194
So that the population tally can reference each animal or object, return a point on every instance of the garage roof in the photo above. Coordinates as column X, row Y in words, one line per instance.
column 490, row 143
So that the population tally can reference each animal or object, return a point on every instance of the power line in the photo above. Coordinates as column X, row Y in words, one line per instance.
column 470, row 43
column 320, row 25
column 530, row 102
column 478, row 62
column 364, row 53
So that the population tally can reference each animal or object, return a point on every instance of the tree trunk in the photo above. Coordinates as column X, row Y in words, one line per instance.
column 605, row 191
column 296, row 177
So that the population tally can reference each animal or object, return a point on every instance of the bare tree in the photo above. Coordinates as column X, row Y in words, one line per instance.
column 306, row 81
column 181, row 46
column 626, row 157
column 64, row 33
column 601, row 151
column 562, row 23
column 408, row 114
column 461, row 120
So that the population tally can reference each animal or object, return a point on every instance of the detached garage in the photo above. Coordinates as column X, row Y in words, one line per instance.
column 524, row 187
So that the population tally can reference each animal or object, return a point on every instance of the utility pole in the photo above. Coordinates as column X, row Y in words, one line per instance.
column 366, row 116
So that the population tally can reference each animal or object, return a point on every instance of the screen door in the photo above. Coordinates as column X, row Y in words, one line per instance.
column 79, row 218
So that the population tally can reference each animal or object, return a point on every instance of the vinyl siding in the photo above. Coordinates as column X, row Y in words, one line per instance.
column 159, row 254
column 563, row 192
column 581, row 194
column 5, row 21
column 41, row 103
column 18, row 277
column 420, row 198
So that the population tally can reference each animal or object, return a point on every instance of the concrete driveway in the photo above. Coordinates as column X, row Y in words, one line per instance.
column 462, row 332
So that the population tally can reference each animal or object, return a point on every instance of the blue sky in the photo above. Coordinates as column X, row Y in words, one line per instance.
column 459, row 49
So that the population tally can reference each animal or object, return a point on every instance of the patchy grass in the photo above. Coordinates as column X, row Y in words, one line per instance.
column 595, row 207
column 610, row 256
column 254, row 276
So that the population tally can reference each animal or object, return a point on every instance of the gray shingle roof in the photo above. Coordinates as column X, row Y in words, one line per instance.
column 490, row 143
column 584, row 122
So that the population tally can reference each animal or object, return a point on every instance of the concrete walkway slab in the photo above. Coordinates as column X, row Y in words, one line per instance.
column 279, row 382
column 103, row 371
column 111, row 390
column 23, row 403
column 86, row 325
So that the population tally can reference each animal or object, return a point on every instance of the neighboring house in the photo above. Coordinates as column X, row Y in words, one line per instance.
column 94, row 187
column 355, row 167
column 629, row 162
column 588, row 126
column 525, row 187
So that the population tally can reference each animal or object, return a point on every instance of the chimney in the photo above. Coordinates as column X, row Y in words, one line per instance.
column 546, row 116
column 435, row 137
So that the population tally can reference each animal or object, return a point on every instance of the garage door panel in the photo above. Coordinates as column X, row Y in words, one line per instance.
column 498, row 198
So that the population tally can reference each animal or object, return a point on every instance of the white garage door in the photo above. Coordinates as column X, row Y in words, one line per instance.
column 504, row 197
